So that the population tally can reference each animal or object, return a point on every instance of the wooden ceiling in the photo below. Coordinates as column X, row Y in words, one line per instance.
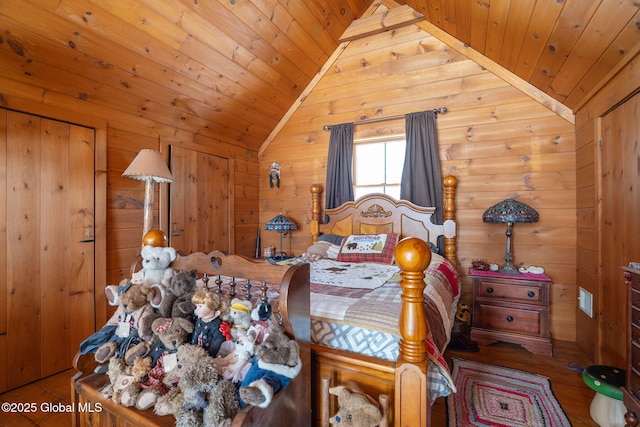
column 232, row 69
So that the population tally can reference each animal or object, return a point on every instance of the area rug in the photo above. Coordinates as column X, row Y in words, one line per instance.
column 489, row 395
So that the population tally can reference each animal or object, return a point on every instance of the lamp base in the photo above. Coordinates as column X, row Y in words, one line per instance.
column 508, row 268
column 278, row 256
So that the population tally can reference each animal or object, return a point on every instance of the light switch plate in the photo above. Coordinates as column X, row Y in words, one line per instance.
column 585, row 299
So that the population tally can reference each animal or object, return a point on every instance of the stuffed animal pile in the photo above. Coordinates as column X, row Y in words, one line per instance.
column 184, row 350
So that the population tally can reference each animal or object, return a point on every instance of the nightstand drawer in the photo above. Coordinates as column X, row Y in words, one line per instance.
column 526, row 293
column 511, row 308
column 509, row 319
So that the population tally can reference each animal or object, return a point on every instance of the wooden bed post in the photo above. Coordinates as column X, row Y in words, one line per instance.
column 314, row 225
column 411, row 407
column 450, row 182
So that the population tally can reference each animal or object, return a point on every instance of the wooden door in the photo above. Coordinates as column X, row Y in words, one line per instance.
column 620, row 165
column 199, row 202
column 48, row 248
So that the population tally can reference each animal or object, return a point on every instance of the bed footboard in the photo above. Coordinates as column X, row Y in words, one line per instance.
column 405, row 381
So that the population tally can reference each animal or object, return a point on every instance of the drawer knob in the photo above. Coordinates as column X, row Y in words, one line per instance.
column 489, row 290
column 531, row 294
column 509, row 318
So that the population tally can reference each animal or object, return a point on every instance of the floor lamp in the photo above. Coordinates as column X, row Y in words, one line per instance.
column 148, row 166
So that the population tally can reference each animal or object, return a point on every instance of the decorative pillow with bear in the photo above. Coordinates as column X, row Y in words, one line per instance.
column 368, row 248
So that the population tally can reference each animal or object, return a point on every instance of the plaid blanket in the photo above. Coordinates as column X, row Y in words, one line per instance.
column 366, row 320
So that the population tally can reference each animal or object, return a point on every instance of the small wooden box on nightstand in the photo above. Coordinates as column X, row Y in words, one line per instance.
column 512, row 309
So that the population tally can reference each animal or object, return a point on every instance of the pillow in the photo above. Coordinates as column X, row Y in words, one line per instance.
column 331, row 238
column 368, row 248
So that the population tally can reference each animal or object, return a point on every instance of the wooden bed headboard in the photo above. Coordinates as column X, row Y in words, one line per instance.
column 378, row 213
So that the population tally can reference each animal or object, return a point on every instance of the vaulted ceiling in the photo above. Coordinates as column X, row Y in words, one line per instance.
column 232, row 69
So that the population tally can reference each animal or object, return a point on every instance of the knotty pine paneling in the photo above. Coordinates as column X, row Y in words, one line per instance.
column 498, row 142
column 590, row 243
column 126, row 134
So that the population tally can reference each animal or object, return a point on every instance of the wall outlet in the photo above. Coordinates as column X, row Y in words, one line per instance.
column 585, row 299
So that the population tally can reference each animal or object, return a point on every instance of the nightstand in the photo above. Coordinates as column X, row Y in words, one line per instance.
column 512, row 309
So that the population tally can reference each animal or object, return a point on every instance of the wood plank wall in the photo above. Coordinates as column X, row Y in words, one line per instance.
column 126, row 134
column 602, row 337
column 495, row 138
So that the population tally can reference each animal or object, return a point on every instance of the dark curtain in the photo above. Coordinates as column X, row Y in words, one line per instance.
column 421, row 181
column 339, row 186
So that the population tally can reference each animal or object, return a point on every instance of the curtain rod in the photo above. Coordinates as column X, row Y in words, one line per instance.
column 440, row 110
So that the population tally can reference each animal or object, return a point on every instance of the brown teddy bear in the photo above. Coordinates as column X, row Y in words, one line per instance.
column 275, row 364
column 357, row 409
column 124, row 380
column 127, row 327
column 183, row 287
column 201, row 397
column 170, row 333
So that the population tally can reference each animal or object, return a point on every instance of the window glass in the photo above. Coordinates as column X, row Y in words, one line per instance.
column 377, row 167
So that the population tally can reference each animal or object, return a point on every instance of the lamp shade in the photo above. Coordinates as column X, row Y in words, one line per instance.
column 148, row 164
column 280, row 223
column 510, row 211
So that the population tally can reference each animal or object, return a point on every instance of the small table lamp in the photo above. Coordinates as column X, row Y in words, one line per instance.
column 148, row 166
column 281, row 224
column 509, row 211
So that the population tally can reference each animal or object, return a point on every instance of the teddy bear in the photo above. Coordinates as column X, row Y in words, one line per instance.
column 169, row 334
column 204, row 397
column 460, row 340
column 357, row 409
column 124, row 380
column 275, row 364
column 239, row 317
column 127, row 327
column 234, row 360
column 183, row 287
column 156, row 266
column 156, row 272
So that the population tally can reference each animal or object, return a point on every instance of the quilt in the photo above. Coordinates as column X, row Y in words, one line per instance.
column 365, row 319
column 364, row 275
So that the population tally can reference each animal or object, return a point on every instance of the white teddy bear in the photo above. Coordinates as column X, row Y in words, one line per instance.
column 156, row 266
column 156, row 273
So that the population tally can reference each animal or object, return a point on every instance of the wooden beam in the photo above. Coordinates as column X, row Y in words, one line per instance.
column 381, row 22
column 327, row 65
column 525, row 87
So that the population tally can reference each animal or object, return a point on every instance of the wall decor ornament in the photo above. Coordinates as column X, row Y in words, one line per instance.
column 274, row 174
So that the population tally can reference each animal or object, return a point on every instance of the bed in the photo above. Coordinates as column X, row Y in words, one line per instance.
column 399, row 352
column 285, row 286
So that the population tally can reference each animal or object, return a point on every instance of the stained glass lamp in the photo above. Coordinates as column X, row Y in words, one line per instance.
column 509, row 211
column 282, row 225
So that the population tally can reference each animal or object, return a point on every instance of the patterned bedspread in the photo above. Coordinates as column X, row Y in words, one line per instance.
column 365, row 320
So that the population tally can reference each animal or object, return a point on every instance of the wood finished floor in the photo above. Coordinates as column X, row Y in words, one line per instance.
column 574, row 396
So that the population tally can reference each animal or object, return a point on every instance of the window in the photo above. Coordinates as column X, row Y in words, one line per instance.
column 377, row 167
